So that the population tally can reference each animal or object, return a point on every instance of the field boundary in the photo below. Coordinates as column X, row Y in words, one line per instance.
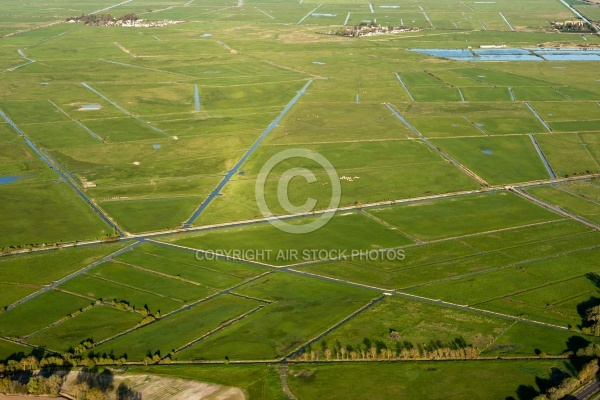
column 231, row 173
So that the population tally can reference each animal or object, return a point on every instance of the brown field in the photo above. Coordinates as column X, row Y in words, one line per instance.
column 152, row 387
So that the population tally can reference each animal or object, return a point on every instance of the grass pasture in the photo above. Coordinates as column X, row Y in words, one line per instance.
column 44, row 268
column 498, row 160
column 537, row 94
column 11, row 293
column 152, row 283
column 12, row 350
column 199, row 272
column 486, row 94
column 589, row 190
column 177, row 330
column 109, row 291
column 47, row 213
column 481, row 290
column 88, row 325
column 422, row 219
column 445, row 126
column 434, row 380
column 574, row 203
column 311, row 123
column 149, row 122
column 39, row 313
column 433, row 94
column 418, row 323
column 554, row 303
column 568, row 154
column 351, row 231
column 151, row 214
column 462, row 257
column 302, row 308
column 411, row 169
column 174, row 256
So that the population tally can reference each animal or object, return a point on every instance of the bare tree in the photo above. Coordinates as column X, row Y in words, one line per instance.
column 373, row 351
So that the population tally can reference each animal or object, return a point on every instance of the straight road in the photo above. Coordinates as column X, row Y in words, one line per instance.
column 588, row 391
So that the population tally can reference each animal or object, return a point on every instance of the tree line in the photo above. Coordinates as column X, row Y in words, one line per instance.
column 5, row 250
column 13, row 372
column 26, row 377
column 456, row 349
column 589, row 370
column 560, row 385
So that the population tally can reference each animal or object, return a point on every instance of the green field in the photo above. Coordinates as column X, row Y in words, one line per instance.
column 302, row 308
column 151, row 214
column 182, row 328
column 39, row 313
column 464, row 215
column 132, row 161
column 169, row 258
column 51, row 211
column 108, row 291
column 9, row 349
column 481, row 289
column 78, row 329
column 151, row 283
column 43, row 268
column 208, row 274
column 418, row 323
column 11, row 293
column 462, row 257
column 498, row 160
column 351, row 231
column 585, row 207
column 568, row 154
column 414, row 380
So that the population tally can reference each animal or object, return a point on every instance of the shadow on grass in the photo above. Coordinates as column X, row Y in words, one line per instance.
column 569, row 368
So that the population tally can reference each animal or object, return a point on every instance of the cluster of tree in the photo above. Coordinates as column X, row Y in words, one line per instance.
column 81, row 355
column 456, row 349
column 124, row 305
column 94, row 381
column 156, row 358
column 83, row 391
column 77, row 312
column 368, row 28
column 590, row 351
column 570, row 384
column 37, row 386
column 76, row 357
column 98, row 384
column 92, row 384
column 592, row 321
column 102, row 19
column 573, row 26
